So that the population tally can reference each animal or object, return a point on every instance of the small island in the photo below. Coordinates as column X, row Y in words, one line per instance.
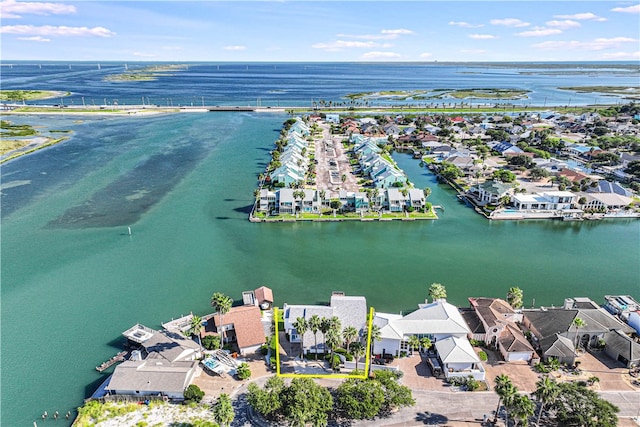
column 30, row 95
column 401, row 95
column 18, row 140
column 145, row 74
column 629, row 92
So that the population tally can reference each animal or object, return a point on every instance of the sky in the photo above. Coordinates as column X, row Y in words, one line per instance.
column 390, row 31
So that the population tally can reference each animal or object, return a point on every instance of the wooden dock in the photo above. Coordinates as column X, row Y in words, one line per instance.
column 115, row 359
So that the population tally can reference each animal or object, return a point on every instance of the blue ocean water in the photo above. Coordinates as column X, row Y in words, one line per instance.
column 73, row 279
column 298, row 84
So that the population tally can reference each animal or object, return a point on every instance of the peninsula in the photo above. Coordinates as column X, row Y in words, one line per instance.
column 507, row 166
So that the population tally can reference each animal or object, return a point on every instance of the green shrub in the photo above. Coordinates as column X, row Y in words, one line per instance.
column 211, row 342
column 472, row 383
column 243, row 372
column 193, row 394
column 483, row 356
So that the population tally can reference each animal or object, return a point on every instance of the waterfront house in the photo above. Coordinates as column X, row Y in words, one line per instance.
column 555, row 330
column 490, row 192
column 499, row 321
column 440, row 322
column 242, row 326
column 548, row 200
column 267, row 201
column 262, row 297
column 152, row 377
column 606, row 201
column 416, row 198
column 299, row 127
column 351, row 310
column 164, row 365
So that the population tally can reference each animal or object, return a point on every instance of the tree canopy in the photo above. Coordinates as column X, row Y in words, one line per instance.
column 514, row 297
column 223, row 410
column 437, row 291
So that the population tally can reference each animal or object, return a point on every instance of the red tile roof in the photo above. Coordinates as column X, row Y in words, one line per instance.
column 246, row 323
column 263, row 294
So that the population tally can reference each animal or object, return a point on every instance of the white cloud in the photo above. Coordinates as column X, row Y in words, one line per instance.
column 563, row 25
column 629, row 9
column 465, row 24
column 144, row 54
column 482, row 36
column 48, row 30
column 540, row 32
column 14, row 9
column 399, row 31
column 621, row 56
column 340, row 44
column 235, row 48
column 35, row 39
column 509, row 22
column 597, row 44
column 616, row 40
column 380, row 55
column 349, row 44
column 384, row 35
column 586, row 16
column 426, row 55
column 473, row 51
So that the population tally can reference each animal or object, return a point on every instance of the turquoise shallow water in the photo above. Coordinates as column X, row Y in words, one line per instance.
column 70, row 288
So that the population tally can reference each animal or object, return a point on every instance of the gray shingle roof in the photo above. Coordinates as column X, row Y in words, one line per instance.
column 152, row 375
column 619, row 343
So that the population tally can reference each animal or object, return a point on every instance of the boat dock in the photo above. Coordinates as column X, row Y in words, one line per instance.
column 120, row 357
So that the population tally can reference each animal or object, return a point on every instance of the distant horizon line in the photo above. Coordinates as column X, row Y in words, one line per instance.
column 37, row 61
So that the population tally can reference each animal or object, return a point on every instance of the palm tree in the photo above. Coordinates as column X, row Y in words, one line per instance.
column 223, row 410
column 578, row 323
column 427, row 192
column 298, row 194
column 425, row 343
column 336, row 324
column 301, row 327
column 333, row 339
column 223, row 304
column 546, row 391
column 358, row 350
column 195, row 327
column 376, row 335
column 502, row 382
column 521, row 408
column 325, row 325
column 437, row 291
column 514, row 297
column 349, row 334
column 509, row 393
column 414, row 342
column 314, row 323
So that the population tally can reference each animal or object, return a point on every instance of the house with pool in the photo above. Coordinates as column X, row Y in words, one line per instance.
column 444, row 325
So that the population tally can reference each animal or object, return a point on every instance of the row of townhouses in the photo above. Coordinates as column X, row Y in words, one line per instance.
column 294, row 162
column 291, row 201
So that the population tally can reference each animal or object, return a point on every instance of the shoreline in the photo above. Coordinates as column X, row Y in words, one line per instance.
column 13, row 108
